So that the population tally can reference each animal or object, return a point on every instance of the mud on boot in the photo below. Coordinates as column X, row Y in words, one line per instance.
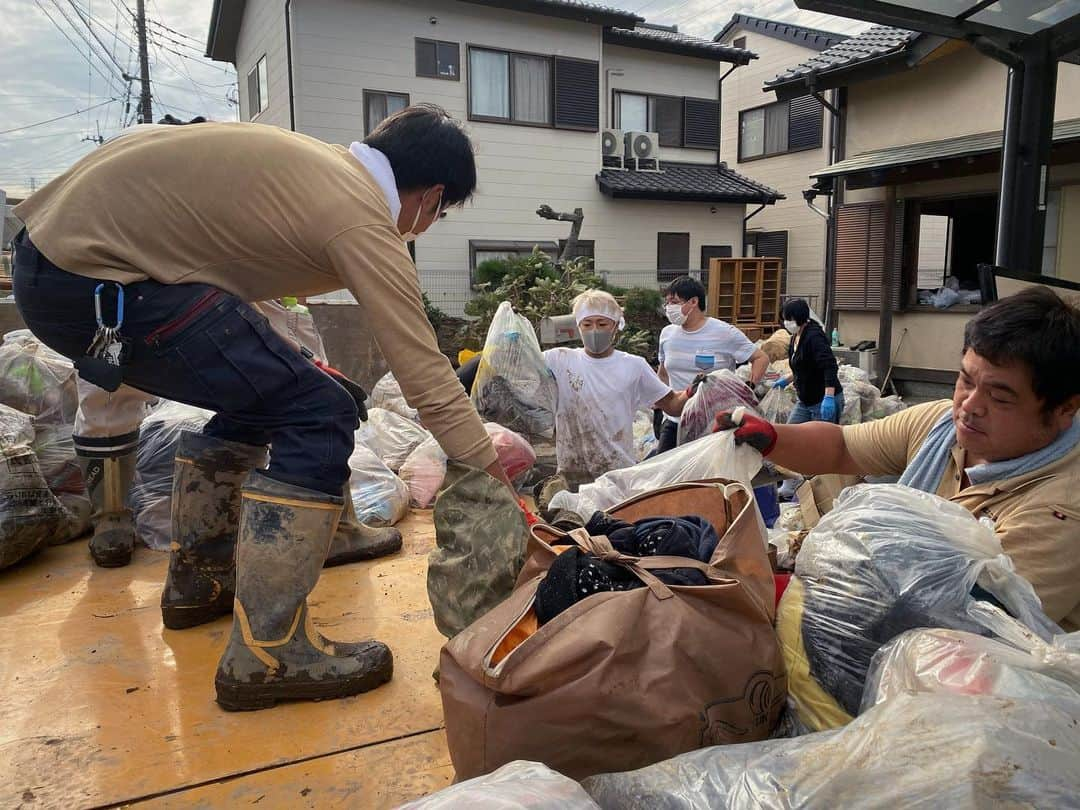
column 207, row 474
column 354, row 541
column 108, row 467
column 274, row 652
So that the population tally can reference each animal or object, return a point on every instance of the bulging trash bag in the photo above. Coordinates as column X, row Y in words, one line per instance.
column 519, row 785
column 961, row 753
column 713, row 456
column 387, row 395
column 425, row 468
column 778, row 404
column 721, row 390
column 886, row 559
column 391, row 436
column 36, row 380
column 1015, row 664
column 480, row 541
column 644, row 437
column 55, row 452
column 513, row 386
column 31, row 516
column 151, row 489
column 379, row 497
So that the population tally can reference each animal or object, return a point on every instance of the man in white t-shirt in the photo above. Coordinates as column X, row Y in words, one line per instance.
column 696, row 344
column 600, row 391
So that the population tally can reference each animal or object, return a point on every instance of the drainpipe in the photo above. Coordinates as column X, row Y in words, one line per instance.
column 747, row 218
column 288, row 65
column 837, row 152
column 720, row 114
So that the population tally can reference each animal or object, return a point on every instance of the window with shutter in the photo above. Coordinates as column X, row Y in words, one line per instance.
column 577, row 94
column 805, row 117
column 860, row 255
column 701, row 123
column 672, row 256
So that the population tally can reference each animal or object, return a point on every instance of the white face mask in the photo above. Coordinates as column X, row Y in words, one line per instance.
column 410, row 235
column 675, row 314
column 597, row 341
column 791, row 326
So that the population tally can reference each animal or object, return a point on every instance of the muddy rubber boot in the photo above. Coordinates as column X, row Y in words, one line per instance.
column 108, row 467
column 354, row 541
column 274, row 652
column 547, row 489
column 207, row 474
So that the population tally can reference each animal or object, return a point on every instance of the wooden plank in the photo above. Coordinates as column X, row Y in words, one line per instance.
column 101, row 705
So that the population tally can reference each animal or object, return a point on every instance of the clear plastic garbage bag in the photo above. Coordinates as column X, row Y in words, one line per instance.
column 1015, row 664
column 387, row 395
column 36, row 380
column 713, row 456
column 886, row 559
column 778, row 404
column 644, row 438
column 60, row 468
column 151, row 489
column 391, row 436
column 518, row 785
column 31, row 516
column 425, row 468
column 924, row 751
column 379, row 497
column 513, row 385
column 721, row 390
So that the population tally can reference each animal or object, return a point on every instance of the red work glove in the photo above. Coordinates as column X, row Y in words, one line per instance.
column 531, row 518
column 749, row 429
column 358, row 394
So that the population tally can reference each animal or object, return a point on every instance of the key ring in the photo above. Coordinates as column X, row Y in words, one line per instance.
column 119, row 305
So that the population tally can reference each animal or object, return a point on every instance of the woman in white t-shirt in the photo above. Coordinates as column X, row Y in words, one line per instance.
column 696, row 344
column 600, row 391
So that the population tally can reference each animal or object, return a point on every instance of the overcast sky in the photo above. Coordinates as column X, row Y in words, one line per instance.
column 44, row 69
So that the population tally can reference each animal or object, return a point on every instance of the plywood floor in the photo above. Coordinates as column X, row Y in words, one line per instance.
column 100, row 705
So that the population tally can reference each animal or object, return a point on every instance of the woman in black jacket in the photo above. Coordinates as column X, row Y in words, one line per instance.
column 813, row 367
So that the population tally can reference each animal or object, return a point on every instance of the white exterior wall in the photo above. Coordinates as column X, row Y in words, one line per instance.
column 262, row 32
column 790, row 173
column 342, row 47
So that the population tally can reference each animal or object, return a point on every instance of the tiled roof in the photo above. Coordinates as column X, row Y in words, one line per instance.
column 666, row 40
column 571, row 9
column 686, row 182
column 814, row 38
column 876, row 42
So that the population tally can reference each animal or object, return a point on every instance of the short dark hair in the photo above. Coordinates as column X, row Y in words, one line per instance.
column 426, row 147
column 686, row 288
column 1035, row 327
column 796, row 310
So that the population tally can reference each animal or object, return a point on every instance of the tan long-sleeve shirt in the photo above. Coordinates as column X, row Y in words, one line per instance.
column 260, row 212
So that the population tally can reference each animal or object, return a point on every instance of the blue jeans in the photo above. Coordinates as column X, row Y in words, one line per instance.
column 812, row 413
column 196, row 344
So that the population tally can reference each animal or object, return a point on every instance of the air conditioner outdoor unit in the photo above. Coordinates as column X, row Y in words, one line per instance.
column 611, row 147
column 642, row 150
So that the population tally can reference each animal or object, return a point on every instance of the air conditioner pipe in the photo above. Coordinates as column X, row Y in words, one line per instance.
column 720, row 115
column 810, row 195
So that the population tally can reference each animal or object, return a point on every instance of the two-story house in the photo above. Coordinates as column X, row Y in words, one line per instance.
column 539, row 83
column 917, row 179
column 781, row 142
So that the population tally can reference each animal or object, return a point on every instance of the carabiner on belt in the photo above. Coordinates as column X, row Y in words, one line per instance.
column 119, row 306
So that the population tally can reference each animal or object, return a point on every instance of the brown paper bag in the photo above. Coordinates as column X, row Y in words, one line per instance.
column 816, row 495
column 624, row 679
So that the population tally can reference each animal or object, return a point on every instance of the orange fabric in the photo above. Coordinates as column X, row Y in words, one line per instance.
column 528, row 625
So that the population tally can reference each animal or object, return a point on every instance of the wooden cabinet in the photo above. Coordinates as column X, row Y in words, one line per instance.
column 746, row 293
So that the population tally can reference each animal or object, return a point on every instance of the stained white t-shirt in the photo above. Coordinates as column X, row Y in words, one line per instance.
column 716, row 345
column 598, row 397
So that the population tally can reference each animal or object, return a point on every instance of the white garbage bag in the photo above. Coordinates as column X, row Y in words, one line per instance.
column 720, row 391
column 387, row 395
column 713, row 456
column 36, row 380
column 519, row 785
column 379, row 497
column 391, row 436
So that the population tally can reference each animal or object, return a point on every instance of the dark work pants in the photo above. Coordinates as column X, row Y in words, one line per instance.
column 196, row 344
column 669, row 437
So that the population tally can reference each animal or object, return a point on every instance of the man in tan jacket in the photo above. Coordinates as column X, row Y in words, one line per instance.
column 1006, row 447
column 190, row 225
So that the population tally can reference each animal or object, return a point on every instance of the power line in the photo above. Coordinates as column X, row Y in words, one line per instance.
column 74, row 44
column 174, row 31
column 90, row 28
column 57, row 118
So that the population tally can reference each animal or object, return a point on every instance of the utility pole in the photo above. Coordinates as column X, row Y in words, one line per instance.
column 146, row 112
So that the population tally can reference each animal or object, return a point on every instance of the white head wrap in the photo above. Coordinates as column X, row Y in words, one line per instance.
column 597, row 303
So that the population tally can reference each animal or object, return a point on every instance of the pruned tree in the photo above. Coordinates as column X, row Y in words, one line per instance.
column 569, row 250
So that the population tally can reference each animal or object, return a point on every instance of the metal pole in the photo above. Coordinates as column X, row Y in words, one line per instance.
column 146, row 112
column 1009, row 156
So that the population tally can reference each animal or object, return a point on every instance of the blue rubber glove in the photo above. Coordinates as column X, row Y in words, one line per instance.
column 781, row 383
column 828, row 408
